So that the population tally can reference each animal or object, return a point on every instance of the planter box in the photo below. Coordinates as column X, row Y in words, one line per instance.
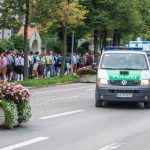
column 2, row 117
column 88, row 78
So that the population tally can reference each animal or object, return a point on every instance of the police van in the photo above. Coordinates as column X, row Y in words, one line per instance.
column 123, row 76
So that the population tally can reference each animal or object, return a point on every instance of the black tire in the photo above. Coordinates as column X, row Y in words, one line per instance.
column 147, row 104
column 98, row 103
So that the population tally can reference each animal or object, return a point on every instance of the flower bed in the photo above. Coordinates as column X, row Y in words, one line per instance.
column 87, row 74
column 86, row 70
column 14, row 101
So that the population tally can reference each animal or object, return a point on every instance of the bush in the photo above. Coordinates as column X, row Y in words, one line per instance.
column 11, row 113
column 86, row 70
column 24, row 112
column 18, row 42
column 83, row 48
column 15, row 102
column 6, row 45
column 14, row 92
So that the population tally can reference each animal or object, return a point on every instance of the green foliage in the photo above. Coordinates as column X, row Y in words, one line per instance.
column 11, row 113
column 24, row 112
column 84, row 48
column 68, row 13
column 50, row 81
column 6, row 45
column 18, row 42
column 15, row 43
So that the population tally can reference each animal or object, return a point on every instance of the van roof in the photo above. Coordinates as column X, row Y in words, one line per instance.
column 124, row 51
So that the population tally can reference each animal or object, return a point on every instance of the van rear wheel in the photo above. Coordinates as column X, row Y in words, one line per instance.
column 147, row 104
column 98, row 103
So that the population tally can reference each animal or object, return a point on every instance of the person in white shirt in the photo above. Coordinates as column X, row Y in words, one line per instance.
column 30, row 65
column 19, row 63
column 74, row 64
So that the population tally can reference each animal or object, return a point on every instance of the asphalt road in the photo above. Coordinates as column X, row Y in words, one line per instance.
column 65, row 118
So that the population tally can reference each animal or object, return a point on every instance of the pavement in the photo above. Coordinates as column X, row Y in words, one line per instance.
column 65, row 118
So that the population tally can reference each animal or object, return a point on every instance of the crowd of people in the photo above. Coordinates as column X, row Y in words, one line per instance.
column 40, row 65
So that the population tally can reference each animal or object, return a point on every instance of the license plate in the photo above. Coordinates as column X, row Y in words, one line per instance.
column 125, row 95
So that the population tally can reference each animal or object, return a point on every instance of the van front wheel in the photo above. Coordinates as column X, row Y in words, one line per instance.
column 147, row 104
column 98, row 103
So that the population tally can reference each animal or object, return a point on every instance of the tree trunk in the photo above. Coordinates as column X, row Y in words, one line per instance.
column 116, row 38
column 100, row 41
column 104, row 38
column 96, row 52
column 26, row 41
column 62, row 71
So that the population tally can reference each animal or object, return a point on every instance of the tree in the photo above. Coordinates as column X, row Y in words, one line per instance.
column 68, row 14
column 115, row 19
column 98, row 20
column 11, row 10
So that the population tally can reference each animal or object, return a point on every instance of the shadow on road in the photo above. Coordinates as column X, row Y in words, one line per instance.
column 124, row 105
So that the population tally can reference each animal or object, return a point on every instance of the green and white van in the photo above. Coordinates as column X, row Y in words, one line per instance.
column 123, row 76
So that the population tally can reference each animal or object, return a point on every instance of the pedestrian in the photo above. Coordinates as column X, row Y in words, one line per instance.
column 58, row 64
column 90, row 59
column 30, row 65
column 10, row 65
column 4, row 66
column 35, row 65
column 49, row 64
column 74, row 64
column 77, row 57
column 81, row 61
column 68, row 65
column 43, row 61
column 19, row 63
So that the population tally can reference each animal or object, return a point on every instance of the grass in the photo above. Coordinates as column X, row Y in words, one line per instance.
column 50, row 81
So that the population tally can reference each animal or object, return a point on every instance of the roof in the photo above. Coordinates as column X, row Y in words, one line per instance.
column 124, row 51
column 31, row 31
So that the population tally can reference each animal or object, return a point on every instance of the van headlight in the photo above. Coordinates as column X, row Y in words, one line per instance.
column 145, row 82
column 102, row 81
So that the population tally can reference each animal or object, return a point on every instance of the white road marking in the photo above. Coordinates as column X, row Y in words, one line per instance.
column 63, row 98
column 29, row 142
column 62, row 90
column 62, row 114
column 111, row 147
column 90, row 89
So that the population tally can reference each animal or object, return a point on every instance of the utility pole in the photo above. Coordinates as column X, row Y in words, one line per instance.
column 72, row 49
column 3, row 30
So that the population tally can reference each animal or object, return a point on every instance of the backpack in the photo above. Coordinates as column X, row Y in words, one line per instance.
column 47, row 60
column 34, row 60
column 59, row 60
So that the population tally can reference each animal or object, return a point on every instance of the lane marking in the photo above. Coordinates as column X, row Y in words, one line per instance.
column 61, row 115
column 29, row 142
column 90, row 90
column 111, row 147
column 70, row 89
column 63, row 98
column 75, row 96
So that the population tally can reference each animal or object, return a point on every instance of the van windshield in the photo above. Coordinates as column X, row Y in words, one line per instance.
column 124, row 61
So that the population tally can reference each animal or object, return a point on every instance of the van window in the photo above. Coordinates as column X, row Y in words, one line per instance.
column 124, row 61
